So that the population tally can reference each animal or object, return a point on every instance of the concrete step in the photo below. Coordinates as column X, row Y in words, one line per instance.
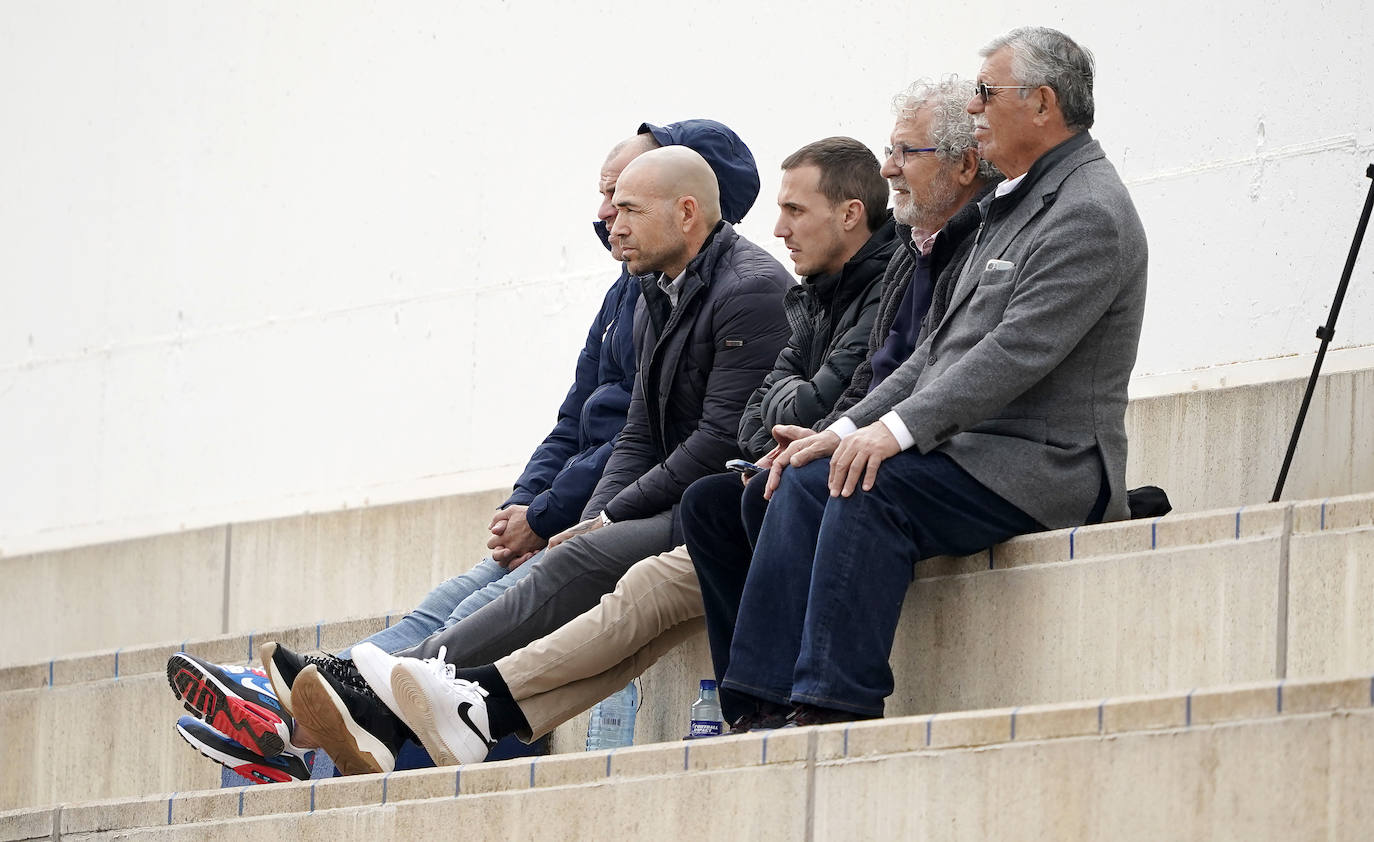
column 1208, row 448
column 1258, row 761
column 238, row 577
column 1114, row 610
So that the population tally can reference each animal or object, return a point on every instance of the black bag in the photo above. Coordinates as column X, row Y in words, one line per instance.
column 1148, row 501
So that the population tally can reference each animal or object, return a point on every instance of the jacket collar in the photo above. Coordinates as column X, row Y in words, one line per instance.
column 1037, row 191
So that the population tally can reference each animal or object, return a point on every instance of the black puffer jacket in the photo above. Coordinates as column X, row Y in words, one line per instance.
column 698, row 363
column 948, row 255
column 831, row 321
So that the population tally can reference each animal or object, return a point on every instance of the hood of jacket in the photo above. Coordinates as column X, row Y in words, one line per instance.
column 730, row 159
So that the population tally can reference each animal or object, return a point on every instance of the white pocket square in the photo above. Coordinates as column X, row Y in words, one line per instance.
column 995, row 264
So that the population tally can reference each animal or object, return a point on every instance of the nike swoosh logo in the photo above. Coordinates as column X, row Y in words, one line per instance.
column 265, row 696
column 463, row 709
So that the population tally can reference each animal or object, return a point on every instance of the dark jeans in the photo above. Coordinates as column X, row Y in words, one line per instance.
column 824, row 591
column 720, row 524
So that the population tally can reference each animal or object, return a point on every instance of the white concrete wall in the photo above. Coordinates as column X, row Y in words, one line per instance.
column 261, row 258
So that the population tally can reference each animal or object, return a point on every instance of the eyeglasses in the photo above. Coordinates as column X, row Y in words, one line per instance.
column 899, row 154
column 986, row 91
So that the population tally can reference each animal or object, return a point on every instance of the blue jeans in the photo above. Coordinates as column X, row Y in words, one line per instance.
column 824, row 590
column 448, row 603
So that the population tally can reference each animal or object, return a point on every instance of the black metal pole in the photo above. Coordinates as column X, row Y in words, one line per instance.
column 1326, row 332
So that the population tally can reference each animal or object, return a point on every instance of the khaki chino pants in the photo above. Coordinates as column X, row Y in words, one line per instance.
column 655, row 606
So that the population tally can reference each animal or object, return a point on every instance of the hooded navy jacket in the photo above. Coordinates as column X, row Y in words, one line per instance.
column 565, row 468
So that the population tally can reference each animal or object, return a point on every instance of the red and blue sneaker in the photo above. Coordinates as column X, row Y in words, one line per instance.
column 236, row 701
column 279, row 768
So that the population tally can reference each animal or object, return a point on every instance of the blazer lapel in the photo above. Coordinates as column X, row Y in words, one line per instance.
column 992, row 245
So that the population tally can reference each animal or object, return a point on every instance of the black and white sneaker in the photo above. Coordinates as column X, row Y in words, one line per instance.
column 350, row 722
column 282, row 666
column 447, row 714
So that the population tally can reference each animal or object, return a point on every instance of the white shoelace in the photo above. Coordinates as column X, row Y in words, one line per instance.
column 446, row 671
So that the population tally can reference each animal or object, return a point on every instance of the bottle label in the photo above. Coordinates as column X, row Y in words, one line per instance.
column 706, row 728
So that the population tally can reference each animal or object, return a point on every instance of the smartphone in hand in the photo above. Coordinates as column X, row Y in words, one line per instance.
column 743, row 467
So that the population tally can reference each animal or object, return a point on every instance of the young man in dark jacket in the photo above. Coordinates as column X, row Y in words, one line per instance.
column 709, row 326
column 937, row 178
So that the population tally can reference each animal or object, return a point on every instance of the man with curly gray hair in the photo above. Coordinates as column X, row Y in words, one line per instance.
column 1007, row 418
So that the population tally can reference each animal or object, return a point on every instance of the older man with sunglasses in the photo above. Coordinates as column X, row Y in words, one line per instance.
column 1007, row 418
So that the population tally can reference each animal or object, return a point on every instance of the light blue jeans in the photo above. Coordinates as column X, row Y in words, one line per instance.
column 448, row 603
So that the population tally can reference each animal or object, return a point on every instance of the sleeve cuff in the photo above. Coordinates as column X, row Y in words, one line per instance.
column 843, row 427
column 897, row 427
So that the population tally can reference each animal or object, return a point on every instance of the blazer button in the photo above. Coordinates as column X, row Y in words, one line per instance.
column 932, row 359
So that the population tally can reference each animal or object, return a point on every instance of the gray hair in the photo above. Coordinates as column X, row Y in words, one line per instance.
column 951, row 126
column 1043, row 56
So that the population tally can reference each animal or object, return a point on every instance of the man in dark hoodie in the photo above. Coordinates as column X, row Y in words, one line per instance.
column 549, row 495
column 937, row 179
column 709, row 325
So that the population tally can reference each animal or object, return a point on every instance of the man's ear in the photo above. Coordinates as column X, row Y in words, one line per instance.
column 855, row 214
column 968, row 167
column 688, row 211
column 1048, row 104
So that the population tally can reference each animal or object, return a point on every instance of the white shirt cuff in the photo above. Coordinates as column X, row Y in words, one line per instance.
column 897, row 427
column 843, row 427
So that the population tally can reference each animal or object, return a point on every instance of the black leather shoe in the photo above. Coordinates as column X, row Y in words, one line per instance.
column 804, row 715
column 765, row 717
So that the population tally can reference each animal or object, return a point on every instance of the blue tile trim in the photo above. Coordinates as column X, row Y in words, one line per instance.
column 50, row 674
column 1154, row 534
column 183, row 646
column 388, row 622
column 1188, row 709
column 1100, row 706
column 686, row 756
column 317, row 634
column 117, row 651
column 533, row 760
column 846, row 741
column 608, row 762
column 763, row 757
column 992, row 564
column 457, row 782
column 250, row 644
column 169, row 807
column 241, row 789
column 384, row 782
column 1013, row 722
column 1279, row 694
column 930, row 723
column 1324, row 513
column 1071, row 534
column 1238, row 511
column 312, row 796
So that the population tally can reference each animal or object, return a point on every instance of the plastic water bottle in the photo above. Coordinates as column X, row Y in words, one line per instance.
column 613, row 720
column 706, row 718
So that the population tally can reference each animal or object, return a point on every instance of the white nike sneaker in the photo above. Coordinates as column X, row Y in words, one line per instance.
column 448, row 714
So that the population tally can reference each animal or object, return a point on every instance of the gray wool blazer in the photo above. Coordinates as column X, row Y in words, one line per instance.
column 1023, row 382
